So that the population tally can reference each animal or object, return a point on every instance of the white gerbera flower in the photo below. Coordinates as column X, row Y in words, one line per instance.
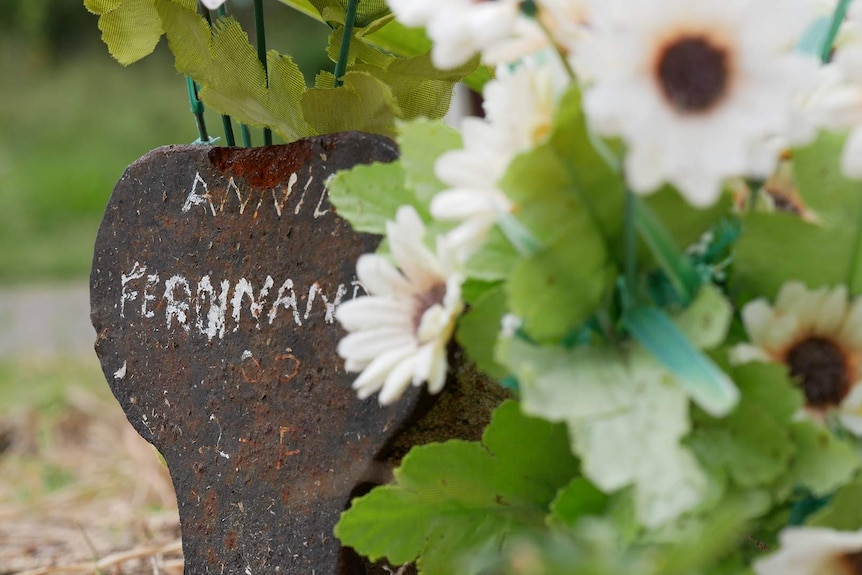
column 818, row 335
column 212, row 4
column 814, row 551
column 837, row 105
column 459, row 28
column 556, row 23
column 398, row 333
column 519, row 106
column 696, row 89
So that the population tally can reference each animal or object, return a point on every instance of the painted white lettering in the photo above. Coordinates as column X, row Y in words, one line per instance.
column 302, row 197
column 329, row 306
column 215, row 317
column 177, row 307
column 287, row 299
column 137, row 272
column 152, row 281
column 244, row 288
column 285, row 194
column 317, row 211
column 195, row 199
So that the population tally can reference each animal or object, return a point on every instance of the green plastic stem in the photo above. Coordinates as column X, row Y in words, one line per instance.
column 837, row 19
column 260, row 34
column 630, row 245
column 346, row 37
column 197, row 108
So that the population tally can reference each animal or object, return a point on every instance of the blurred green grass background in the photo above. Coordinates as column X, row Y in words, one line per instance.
column 72, row 119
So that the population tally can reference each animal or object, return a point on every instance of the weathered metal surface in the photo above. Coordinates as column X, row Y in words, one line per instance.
column 215, row 275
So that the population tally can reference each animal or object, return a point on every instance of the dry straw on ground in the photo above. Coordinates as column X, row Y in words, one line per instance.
column 82, row 493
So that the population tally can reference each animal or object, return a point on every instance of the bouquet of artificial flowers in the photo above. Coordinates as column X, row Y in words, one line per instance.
column 652, row 238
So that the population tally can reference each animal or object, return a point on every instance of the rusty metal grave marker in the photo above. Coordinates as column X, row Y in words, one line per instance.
column 215, row 277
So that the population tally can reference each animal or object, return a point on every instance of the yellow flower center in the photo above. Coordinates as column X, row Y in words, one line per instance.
column 693, row 73
column 821, row 369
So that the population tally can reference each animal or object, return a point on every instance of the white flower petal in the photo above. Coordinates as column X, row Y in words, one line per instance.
column 375, row 375
column 833, row 310
column 695, row 146
column 379, row 277
column 808, row 550
column 419, row 264
column 398, row 380
column 373, row 312
column 367, row 344
column 438, row 369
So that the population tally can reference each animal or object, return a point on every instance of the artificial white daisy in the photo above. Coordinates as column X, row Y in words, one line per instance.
column 697, row 90
column 519, row 106
column 814, row 551
column 555, row 24
column 818, row 335
column 459, row 28
column 399, row 332
column 836, row 105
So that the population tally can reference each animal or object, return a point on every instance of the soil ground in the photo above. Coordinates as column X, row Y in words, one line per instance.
column 80, row 491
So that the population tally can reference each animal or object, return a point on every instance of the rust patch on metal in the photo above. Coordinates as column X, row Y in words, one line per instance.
column 264, row 167
column 215, row 276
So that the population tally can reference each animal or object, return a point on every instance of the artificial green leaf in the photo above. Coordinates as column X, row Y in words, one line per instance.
column 421, row 143
column 357, row 50
column 843, row 512
column 472, row 290
column 478, row 330
column 420, row 89
column 753, row 444
column 363, row 103
column 232, row 78
column 822, row 462
column 451, row 499
column 369, row 195
column 305, row 7
column 576, row 500
column 707, row 385
column 598, row 187
column 625, row 414
column 396, row 38
column 495, row 260
column 684, row 223
column 817, row 173
column 130, row 28
column 366, row 12
column 707, row 320
column 562, row 384
column 676, row 265
column 777, row 248
column 556, row 289
column 539, row 186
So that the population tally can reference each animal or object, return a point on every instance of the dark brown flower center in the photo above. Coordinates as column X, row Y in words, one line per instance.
column 693, row 73
column 820, row 368
column 851, row 563
column 426, row 300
